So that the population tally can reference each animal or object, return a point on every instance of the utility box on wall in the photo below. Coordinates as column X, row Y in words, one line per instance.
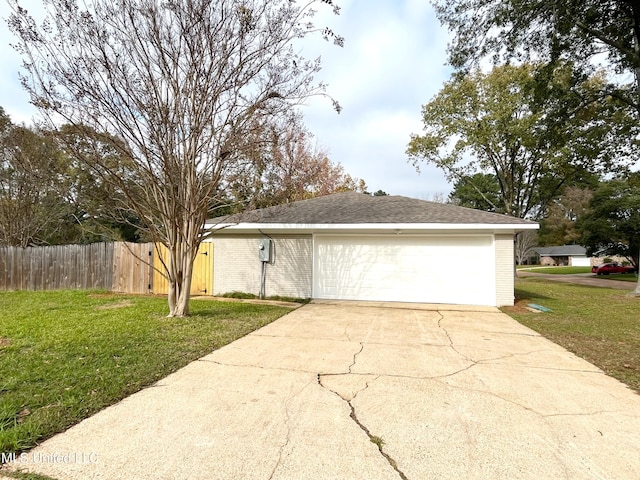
column 264, row 250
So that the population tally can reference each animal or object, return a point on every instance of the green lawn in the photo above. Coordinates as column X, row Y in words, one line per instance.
column 601, row 325
column 65, row 355
column 559, row 270
column 625, row 277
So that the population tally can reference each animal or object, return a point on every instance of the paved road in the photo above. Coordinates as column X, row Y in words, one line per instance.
column 364, row 391
column 581, row 280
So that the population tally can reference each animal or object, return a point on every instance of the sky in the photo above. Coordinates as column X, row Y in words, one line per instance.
column 393, row 61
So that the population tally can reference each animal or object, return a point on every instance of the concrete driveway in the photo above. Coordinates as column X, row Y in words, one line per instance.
column 365, row 391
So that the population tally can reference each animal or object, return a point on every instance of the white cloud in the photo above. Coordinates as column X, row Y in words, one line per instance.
column 392, row 63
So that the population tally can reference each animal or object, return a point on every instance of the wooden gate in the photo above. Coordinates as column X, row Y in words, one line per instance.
column 202, row 279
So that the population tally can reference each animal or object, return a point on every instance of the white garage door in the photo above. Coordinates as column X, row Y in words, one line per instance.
column 452, row 269
column 580, row 262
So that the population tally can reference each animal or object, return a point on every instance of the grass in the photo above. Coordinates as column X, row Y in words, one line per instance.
column 26, row 476
column 562, row 270
column 252, row 296
column 598, row 324
column 64, row 355
column 625, row 277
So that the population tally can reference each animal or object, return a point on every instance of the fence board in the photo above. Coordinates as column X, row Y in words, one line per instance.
column 160, row 282
column 132, row 271
column 120, row 267
column 57, row 267
column 202, row 275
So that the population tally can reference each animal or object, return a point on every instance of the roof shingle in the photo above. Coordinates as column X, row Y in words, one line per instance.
column 359, row 208
column 561, row 251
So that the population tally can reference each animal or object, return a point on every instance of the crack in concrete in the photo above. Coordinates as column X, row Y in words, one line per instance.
column 288, row 425
column 487, row 361
column 475, row 363
column 346, row 333
column 282, row 369
column 355, row 356
column 515, row 334
column 582, row 414
column 378, row 441
column 452, row 346
column 314, row 337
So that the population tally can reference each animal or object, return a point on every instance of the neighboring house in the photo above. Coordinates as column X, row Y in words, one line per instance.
column 566, row 255
column 353, row 246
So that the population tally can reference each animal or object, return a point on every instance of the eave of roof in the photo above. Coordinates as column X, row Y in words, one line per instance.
column 394, row 228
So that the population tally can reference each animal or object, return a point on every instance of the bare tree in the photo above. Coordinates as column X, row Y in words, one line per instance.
column 172, row 85
column 524, row 244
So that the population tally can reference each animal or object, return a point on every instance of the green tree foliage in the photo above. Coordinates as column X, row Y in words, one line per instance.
column 612, row 226
column 33, row 184
column 584, row 32
column 535, row 139
column 560, row 224
column 100, row 207
column 48, row 198
column 480, row 191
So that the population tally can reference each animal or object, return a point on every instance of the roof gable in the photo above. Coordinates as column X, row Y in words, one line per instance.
column 358, row 208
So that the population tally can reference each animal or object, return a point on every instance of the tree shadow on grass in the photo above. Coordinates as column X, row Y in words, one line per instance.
column 522, row 294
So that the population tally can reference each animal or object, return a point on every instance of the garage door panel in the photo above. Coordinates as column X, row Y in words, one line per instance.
column 410, row 269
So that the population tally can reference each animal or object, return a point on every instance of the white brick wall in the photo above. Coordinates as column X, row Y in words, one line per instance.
column 236, row 267
column 504, row 270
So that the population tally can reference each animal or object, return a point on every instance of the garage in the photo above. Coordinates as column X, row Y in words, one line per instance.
column 355, row 246
column 433, row 269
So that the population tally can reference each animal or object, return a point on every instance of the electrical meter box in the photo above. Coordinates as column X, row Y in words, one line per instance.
column 264, row 250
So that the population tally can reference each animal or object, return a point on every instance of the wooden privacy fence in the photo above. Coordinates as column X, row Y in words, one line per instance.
column 132, row 267
column 108, row 266
column 202, row 278
column 119, row 267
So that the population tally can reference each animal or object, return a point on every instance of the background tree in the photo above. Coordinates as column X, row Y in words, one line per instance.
column 286, row 165
column 560, row 224
column 33, row 182
column 501, row 124
column 525, row 242
column 480, row 191
column 612, row 227
column 171, row 86
column 47, row 198
column 99, row 210
column 585, row 32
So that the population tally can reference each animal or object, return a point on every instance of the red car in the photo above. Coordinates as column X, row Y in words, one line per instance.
column 607, row 268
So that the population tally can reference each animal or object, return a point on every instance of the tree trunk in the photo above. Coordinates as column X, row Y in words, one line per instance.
column 180, row 268
column 636, row 292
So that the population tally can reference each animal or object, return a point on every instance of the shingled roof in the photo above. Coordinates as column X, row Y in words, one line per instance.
column 561, row 251
column 358, row 208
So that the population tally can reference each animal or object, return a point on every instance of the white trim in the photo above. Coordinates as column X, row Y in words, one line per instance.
column 413, row 234
column 375, row 226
